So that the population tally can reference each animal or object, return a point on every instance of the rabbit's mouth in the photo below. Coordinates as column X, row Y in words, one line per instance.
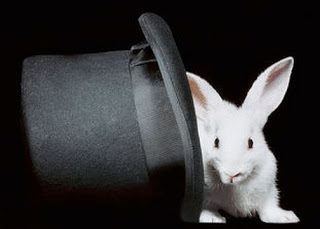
column 239, row 179
column 232, row 180
column 236, row 178
column 217, row 175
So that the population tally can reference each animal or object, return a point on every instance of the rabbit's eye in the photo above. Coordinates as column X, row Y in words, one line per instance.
column 250, row 143
column 216, row 143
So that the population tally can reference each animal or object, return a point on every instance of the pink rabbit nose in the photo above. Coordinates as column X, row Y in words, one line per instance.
column 233, row 176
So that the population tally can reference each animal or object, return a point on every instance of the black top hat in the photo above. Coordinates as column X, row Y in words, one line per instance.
column 116, row 127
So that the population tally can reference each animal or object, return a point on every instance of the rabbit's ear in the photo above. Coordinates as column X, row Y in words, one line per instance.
column 270, row 87
column 205, row 97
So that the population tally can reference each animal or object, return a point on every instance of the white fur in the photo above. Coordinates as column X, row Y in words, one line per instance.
column 254, row 191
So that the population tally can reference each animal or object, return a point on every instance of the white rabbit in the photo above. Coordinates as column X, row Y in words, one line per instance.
column 240, row 170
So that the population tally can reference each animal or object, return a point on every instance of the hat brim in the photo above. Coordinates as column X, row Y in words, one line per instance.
column 160, row 39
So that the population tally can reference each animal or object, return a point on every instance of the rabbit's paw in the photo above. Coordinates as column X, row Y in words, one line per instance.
column 211, row 217
column 279, row 216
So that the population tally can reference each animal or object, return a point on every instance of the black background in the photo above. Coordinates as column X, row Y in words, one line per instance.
column 228, row 44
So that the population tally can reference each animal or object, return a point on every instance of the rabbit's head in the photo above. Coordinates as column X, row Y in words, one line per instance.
column 231, row 137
